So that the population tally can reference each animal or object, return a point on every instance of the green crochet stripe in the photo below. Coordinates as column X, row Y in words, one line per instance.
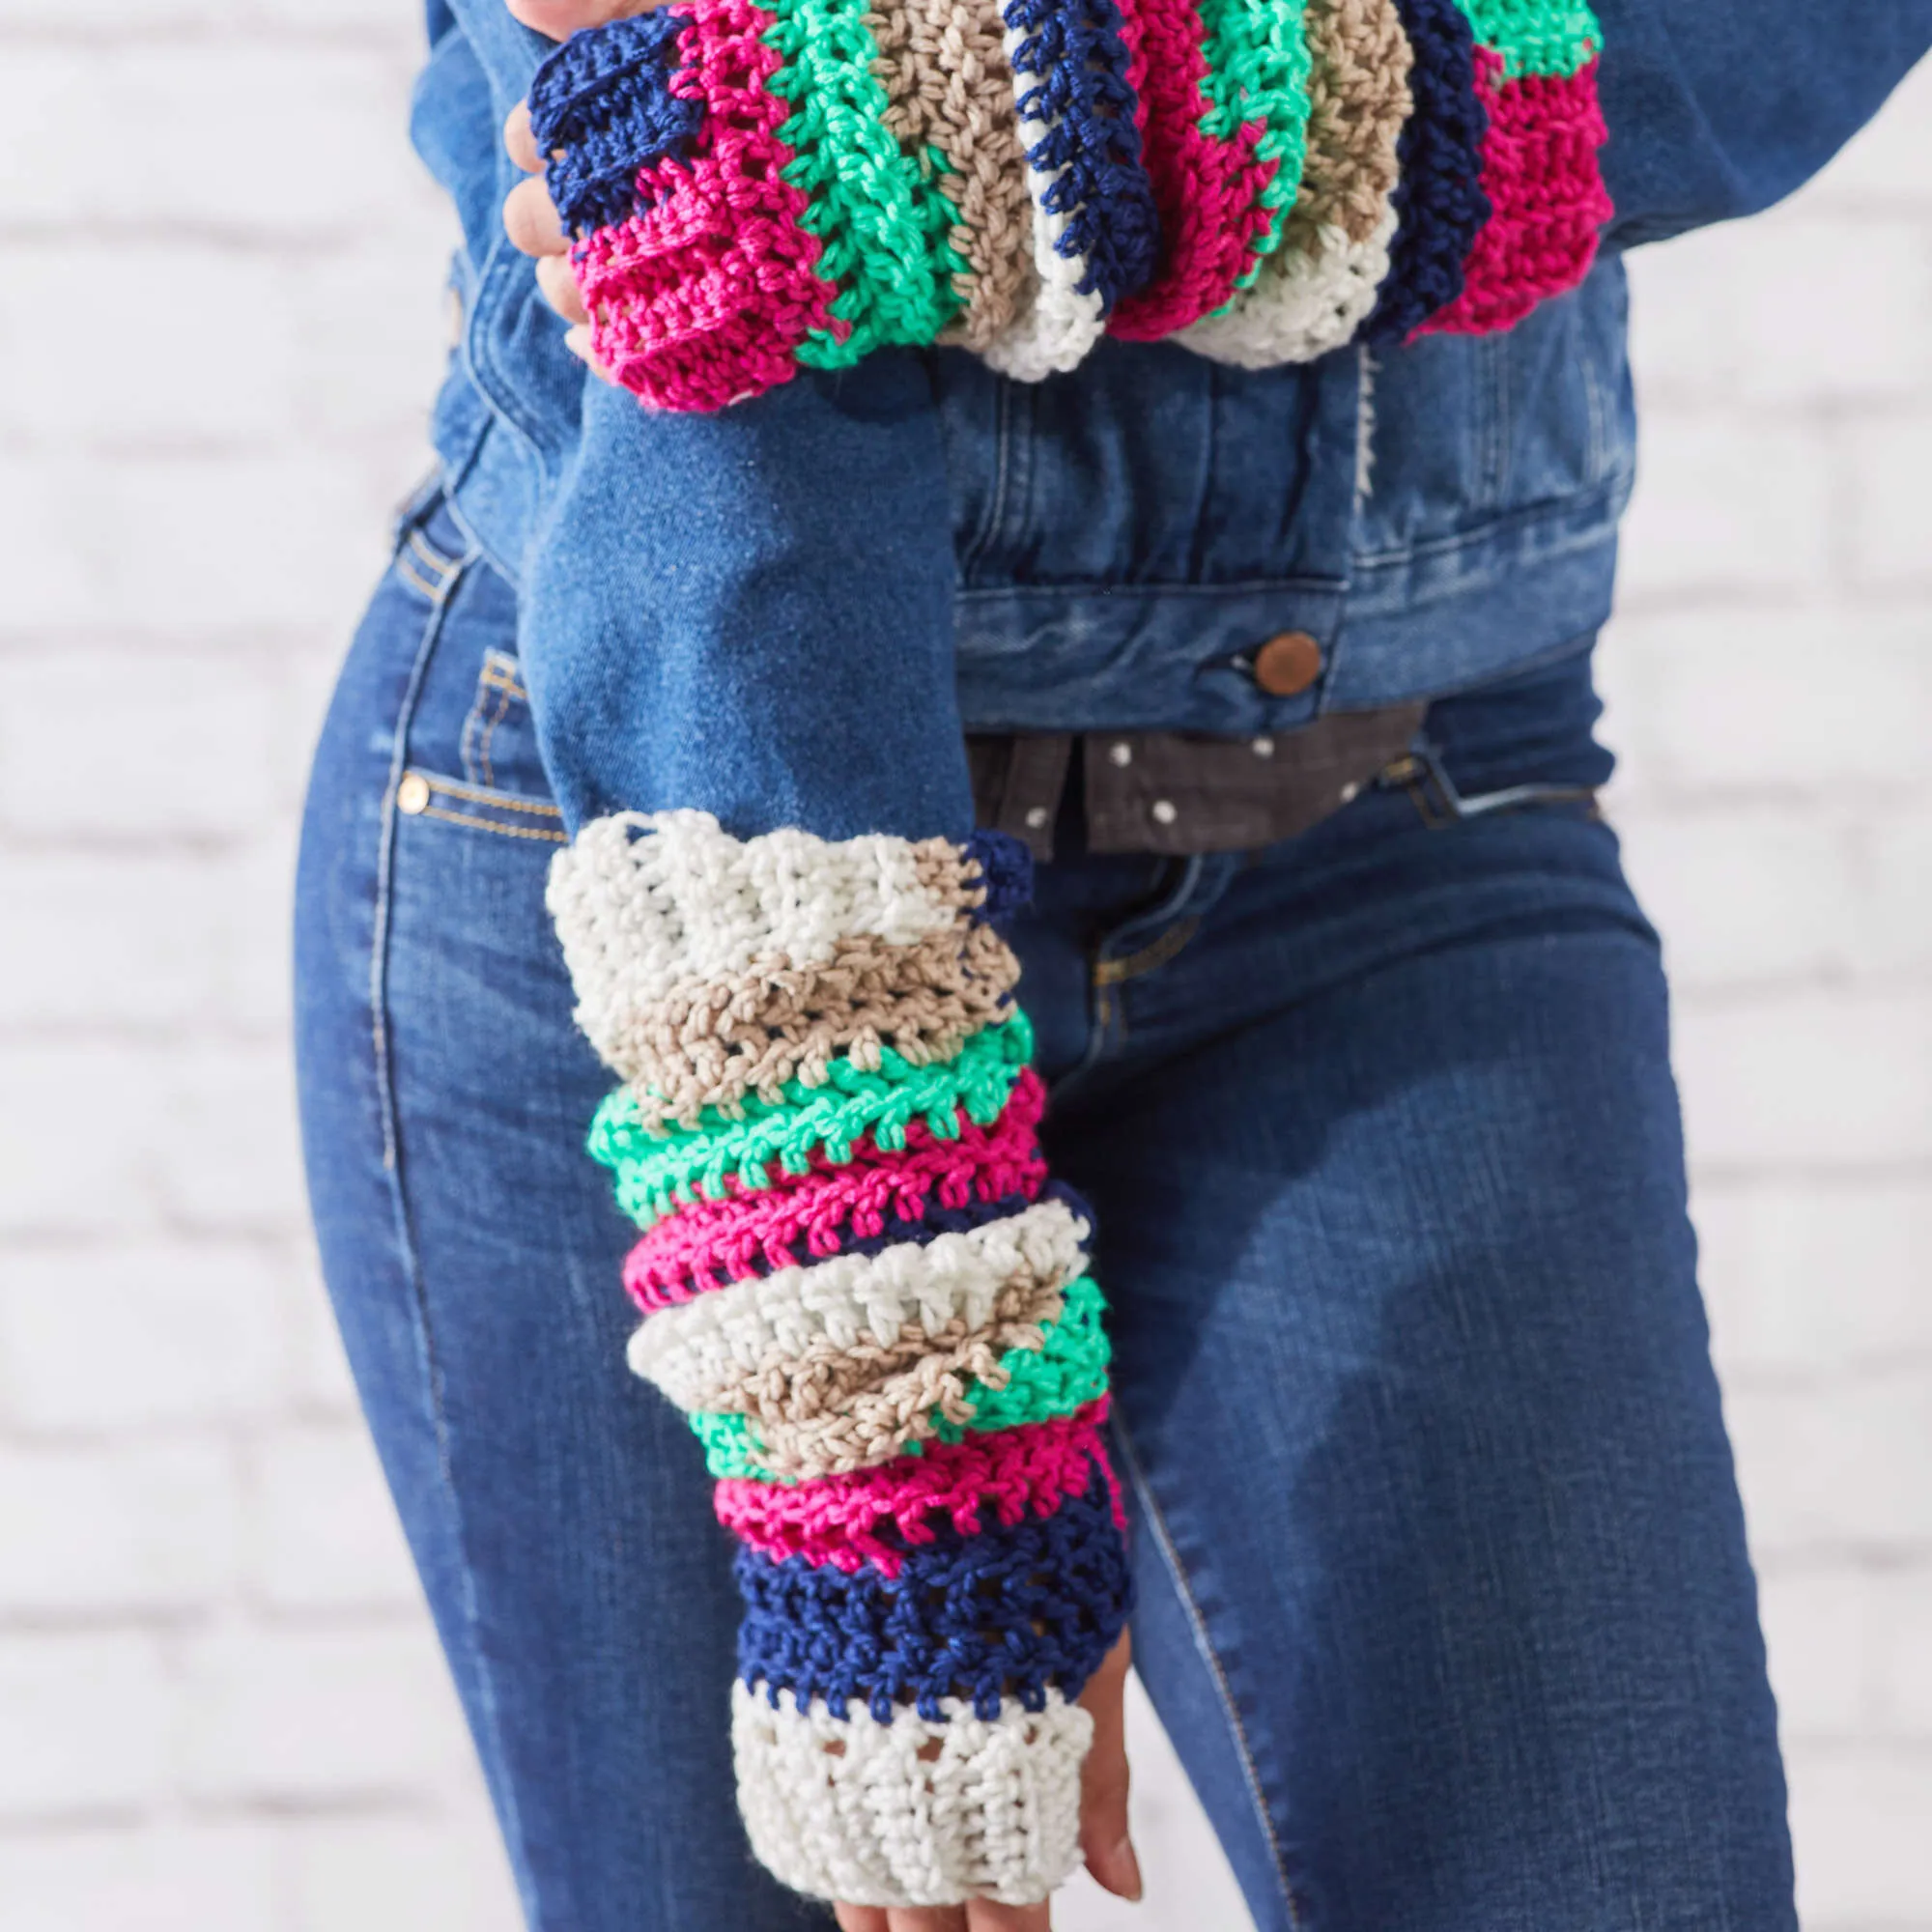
column 878, row 212
column 1258, row 71
column 1537, row 37
column 657, row 1170
column 1068, row 1370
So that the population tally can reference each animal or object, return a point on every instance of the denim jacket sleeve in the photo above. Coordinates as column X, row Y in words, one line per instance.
column 1719, row 108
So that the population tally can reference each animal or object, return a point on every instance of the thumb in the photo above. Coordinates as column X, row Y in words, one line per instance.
column 558, row 19
column 1105, row 1841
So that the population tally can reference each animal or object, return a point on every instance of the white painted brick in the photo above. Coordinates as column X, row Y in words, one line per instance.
column 1820, row 1633
column 75, row 1138
column 191, row 383
column 96, row 936
column 149, row 1527
column 97, row 1338
column 1808, row 1078
column 229, row 1156
column 1720, row 316
column 1889, row 500
column 318, row 1366
column 1809, row 1282
column 1858, row 1818
column 1903, row 1615
column 139, row 744
column 1727, row 503
column 382, row 1875
column 322, row 1532
column 195, row 542
column 86, row 1719
column 300, row 143
column 181, row 1878
column 1840, row 1465
column 357, row 1711
column 325, row 351
column 1834, row 700
column 1895, row 859
column 1745, row 897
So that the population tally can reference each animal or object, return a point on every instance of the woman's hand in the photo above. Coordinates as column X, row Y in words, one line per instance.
column 1105, row 1842
column 530, row 215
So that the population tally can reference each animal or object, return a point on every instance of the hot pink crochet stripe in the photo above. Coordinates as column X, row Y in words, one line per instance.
column 1208, row 191
column 844, row 1521
column 707, row 1244
column 1541, row 174
column 703, row 299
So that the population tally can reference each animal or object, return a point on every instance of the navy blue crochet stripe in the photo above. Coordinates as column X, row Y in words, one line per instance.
column 1006, row 869
column 1078, row 58
column 998, row 1614
column 1439, row 201
column 604, row 97
column 937, row 1219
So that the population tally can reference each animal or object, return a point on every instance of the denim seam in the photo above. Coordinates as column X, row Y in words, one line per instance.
column 1204, row 1645
column 435, row 592
column 490, row 825
column 384, row 1069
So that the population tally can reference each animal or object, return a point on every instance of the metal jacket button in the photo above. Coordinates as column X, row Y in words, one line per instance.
column 1285, row 666
column 413, row 794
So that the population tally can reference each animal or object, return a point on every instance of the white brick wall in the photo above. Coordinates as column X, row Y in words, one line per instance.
column 219, row 315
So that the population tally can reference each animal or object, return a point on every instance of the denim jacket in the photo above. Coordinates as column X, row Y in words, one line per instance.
column 1123, row 538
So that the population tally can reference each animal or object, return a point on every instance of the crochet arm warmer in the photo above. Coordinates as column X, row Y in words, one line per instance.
column 862, row 1288
column 759, row 186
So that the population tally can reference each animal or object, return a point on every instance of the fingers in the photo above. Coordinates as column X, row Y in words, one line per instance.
column 530, row 220
column 559, row 288
column 861, row 1918
column 558, row 19
column 1104, row 1840
column 520, row 143
column 984, row 1916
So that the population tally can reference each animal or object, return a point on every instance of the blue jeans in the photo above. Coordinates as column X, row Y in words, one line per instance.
column 1443, row 1593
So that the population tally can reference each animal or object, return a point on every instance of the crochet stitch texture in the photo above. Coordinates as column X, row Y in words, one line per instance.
column 757, row 186
column 873, row 1307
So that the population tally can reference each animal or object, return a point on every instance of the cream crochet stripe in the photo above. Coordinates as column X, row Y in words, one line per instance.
column 915, row 1811
column 1054, row 331
column 943, row 64
column 1319, row 286
column 858, row 1321
column 646, row 903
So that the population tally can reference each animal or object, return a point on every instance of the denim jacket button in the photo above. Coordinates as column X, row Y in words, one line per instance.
column 1285, row 666
column 413, row 794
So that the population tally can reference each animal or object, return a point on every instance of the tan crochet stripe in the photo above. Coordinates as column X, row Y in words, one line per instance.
column 1359, row 100
column 839, row 1418
column 943, row 65
column 880, row 1375
column 710, row 1042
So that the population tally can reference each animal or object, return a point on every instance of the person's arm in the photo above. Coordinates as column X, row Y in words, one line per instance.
column 1719, row 108
column 856, row 1275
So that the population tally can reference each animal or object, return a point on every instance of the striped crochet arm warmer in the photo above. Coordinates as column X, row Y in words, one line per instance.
column 863, row 1289
column 757, row 186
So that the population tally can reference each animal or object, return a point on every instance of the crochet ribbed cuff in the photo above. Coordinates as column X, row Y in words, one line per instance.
column 873, row 1303
column 756, row 186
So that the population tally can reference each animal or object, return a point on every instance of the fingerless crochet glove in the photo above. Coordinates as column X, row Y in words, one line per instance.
column 756, row 186
column 873, row 1303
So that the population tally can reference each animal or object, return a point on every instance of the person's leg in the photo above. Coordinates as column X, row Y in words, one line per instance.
column 1443, row 1588
column 558, row 1511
